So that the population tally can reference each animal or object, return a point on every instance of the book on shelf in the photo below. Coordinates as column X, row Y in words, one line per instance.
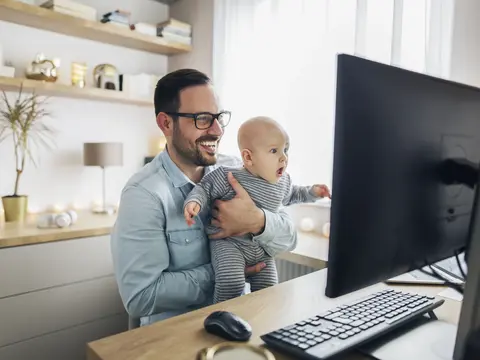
column 117, row 17
column 177, row 38
column 174, row 30
column 174, row 25
column 144, row 28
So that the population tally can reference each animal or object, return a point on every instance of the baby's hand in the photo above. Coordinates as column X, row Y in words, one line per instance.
column 322, row 191
column 191, row 210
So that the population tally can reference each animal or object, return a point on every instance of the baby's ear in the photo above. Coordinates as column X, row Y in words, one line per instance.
column 247, row 157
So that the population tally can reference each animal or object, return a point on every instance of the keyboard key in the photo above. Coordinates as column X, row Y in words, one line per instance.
column 342, row 320
column 357, row 323
column 290, row 341
column 333, row 315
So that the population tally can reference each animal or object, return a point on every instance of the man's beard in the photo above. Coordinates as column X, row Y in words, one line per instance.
column 191, row 152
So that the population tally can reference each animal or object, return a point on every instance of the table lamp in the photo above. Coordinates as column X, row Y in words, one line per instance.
column 103, row 154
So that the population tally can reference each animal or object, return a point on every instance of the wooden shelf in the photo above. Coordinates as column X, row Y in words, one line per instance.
column 37, row 17
column 61, row 90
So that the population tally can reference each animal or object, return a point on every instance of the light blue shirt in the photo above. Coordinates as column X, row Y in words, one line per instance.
column 162, row 265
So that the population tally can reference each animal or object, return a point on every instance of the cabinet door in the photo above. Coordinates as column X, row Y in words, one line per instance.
column 34, row 267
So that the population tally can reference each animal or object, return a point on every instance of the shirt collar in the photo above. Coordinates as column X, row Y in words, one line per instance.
column 178, row 178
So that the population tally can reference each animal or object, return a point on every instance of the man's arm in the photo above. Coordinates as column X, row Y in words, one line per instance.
column 279, row 234
column 141, row 257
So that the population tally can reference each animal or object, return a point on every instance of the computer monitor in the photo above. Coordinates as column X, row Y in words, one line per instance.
column 392, row 208
column 391, row 212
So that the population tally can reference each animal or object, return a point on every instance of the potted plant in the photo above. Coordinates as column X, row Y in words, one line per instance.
column 21, row 120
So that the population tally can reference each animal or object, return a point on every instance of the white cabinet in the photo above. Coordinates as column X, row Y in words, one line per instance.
column 55, row 297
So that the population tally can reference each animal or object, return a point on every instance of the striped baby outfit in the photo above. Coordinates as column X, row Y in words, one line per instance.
column 230, row 256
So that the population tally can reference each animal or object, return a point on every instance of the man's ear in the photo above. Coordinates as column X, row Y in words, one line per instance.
column 165, row 123
column 247, row 157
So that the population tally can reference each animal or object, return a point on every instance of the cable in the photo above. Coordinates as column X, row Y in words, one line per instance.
column 457, row 257
column 450, row 284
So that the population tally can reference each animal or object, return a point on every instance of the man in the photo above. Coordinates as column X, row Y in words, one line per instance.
column 162, row 265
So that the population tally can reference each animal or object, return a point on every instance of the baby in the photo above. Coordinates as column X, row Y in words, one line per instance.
column 263, row 145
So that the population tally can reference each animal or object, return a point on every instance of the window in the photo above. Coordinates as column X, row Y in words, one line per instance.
column 277, row 58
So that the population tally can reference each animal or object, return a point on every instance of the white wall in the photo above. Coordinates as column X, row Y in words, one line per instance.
column 465, row 61
column 60, row 178
column 198, row 13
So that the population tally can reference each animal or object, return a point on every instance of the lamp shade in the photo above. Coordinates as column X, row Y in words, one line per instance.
column 103, row 154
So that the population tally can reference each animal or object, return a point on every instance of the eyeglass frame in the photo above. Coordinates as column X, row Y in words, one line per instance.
column 195, row 115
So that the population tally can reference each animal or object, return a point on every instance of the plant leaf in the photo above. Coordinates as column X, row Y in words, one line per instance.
column 22, row 119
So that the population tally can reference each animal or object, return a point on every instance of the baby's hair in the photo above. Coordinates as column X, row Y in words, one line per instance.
column 244, row 135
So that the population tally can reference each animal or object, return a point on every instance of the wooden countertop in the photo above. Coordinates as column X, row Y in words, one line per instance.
column 311, row 250
column 182, row 337
column 27, row 233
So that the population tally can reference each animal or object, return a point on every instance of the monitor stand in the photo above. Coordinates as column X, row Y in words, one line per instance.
column 423, row 338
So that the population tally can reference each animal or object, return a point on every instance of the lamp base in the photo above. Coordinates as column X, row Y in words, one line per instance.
column 107, row 210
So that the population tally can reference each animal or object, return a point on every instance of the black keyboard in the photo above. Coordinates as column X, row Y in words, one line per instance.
column 349, row 325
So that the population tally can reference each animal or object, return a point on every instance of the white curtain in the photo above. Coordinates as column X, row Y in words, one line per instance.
column 277, row 58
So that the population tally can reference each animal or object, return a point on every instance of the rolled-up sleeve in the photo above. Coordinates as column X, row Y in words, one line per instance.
column 279, row 234
column 141, row 258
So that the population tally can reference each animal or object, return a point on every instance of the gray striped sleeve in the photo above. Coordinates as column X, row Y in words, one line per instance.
column 299, row 194
column 212, row 186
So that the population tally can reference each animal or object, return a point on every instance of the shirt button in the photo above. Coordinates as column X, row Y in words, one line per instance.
column 187, row 241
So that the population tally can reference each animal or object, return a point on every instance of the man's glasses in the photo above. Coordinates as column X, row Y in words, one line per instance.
column 204, row 120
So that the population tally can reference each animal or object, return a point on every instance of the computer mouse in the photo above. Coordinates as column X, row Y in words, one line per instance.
column 228, row 326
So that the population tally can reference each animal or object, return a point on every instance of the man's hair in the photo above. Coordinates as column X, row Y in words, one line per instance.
column 167, row 91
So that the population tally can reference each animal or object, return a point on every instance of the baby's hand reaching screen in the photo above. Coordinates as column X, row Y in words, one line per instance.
column 191, row 210
column 322, row 191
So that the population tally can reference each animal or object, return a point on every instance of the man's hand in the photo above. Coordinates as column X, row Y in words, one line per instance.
column 252, row 270
column 191, row 210
column 322, row 191
column 238, row 216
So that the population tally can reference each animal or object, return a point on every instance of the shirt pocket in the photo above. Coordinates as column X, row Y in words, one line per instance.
column 188, row 248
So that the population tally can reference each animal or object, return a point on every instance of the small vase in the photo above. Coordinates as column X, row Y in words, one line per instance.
column 15, row 207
